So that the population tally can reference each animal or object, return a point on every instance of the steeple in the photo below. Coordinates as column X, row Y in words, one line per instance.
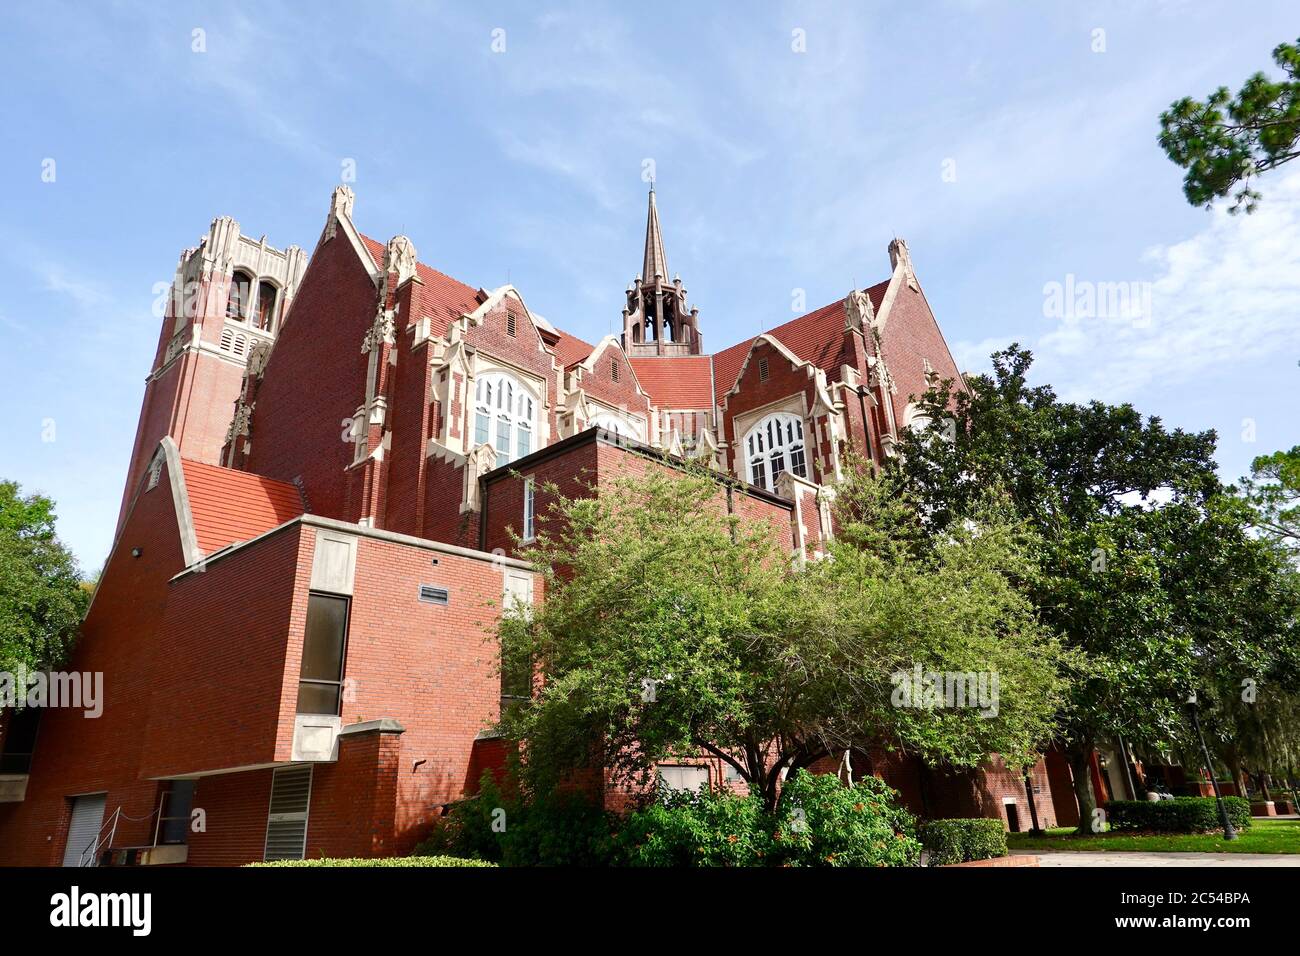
column 658, row 319
column 656, row 263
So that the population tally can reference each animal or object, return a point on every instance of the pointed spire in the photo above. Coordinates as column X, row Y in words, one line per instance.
column 656, row 263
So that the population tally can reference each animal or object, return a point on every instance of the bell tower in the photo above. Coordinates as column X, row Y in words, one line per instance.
column 658, row 319
column 226, row 303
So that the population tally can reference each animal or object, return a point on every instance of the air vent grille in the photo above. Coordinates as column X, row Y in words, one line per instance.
column 432, row 594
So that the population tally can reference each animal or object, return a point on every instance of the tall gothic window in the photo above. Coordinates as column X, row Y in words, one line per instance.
column 265, row 306
column 773, row 446
column 241, row 291
column 504, row 416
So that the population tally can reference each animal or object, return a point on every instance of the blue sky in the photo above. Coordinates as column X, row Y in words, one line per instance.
column 777, row 170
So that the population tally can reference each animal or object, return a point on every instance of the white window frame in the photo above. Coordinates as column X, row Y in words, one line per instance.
column 504, row 409
column 530, row 510
column 673, row 780
column 775, row 444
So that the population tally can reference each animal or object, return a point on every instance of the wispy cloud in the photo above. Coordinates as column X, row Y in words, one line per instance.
column 1220, row 299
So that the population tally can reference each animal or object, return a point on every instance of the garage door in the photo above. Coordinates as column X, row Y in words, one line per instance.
column 87, row 818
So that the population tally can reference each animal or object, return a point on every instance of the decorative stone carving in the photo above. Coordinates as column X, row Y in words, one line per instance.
column 341, row 201
column 880, row 377
column 383, row 331
column 898, row 253
column 258, row 356
column 931, row 376
column 239, row 424
column 399, row 257
column 858, row 311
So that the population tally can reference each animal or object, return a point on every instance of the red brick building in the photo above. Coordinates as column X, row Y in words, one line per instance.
column 294, row 625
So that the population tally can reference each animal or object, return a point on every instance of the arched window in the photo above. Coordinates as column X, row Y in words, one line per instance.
column 618, row 426
column 772, row 446
column 266, row 293
column 241, row 291
column 504, row 416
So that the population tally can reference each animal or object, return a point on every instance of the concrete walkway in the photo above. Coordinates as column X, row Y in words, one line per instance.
column 1121, row 859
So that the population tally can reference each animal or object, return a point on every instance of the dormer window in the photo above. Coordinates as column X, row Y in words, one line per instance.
column 773, row 446
column 241, row 289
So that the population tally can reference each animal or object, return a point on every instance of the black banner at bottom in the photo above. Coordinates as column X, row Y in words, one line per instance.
column 129, row 904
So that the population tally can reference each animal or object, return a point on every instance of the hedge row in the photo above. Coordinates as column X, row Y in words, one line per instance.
column 961, row 841
column 420, row 861
column 1179, row 815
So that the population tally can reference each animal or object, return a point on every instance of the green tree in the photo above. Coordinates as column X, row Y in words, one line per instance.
column 42, row 598
column 1109, row 577
column 1273, row 492
column 672, row 628
column 1225, row 141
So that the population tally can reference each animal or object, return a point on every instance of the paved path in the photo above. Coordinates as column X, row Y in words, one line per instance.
column 1111, row 858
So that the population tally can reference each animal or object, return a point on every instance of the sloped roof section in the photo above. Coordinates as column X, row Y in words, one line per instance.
column 815, row 337
column 440, row 297
column 230, row 506
column 569, row 349
column 676, row 382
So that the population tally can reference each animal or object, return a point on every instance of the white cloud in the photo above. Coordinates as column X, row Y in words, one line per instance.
column 1221, row 300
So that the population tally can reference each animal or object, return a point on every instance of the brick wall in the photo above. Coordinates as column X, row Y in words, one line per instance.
column 222, row 652
column 75, row 754
column 315, row 380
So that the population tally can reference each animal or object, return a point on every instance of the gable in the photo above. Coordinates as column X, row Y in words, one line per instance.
column 816, row 337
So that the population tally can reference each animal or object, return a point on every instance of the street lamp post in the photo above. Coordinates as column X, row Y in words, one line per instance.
column 1229, row 832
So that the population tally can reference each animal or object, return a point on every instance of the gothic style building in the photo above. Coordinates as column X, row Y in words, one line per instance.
column 331, row 459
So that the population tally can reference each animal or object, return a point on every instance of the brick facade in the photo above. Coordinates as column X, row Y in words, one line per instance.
column 355, row 457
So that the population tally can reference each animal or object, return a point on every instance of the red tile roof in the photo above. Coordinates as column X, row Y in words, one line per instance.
column 676, row 382
column 570, row 350
column 814, row 337
column 441, row 298
column 230, row 506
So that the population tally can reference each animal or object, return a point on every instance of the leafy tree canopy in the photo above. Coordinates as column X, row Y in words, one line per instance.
column 671, row 627
column 42, row 598
column 1273, row 491
column 1226, row 140
column 1144, row 563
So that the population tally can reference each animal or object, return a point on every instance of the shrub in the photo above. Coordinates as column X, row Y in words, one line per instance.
column 818, row 822
column 558, row 829
column 1179, row 815
column 961, row 841
column 696, row 829
column 821, row 822
column 438, row 861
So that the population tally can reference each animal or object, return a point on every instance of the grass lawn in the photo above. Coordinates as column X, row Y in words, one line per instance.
column 1263, row 836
